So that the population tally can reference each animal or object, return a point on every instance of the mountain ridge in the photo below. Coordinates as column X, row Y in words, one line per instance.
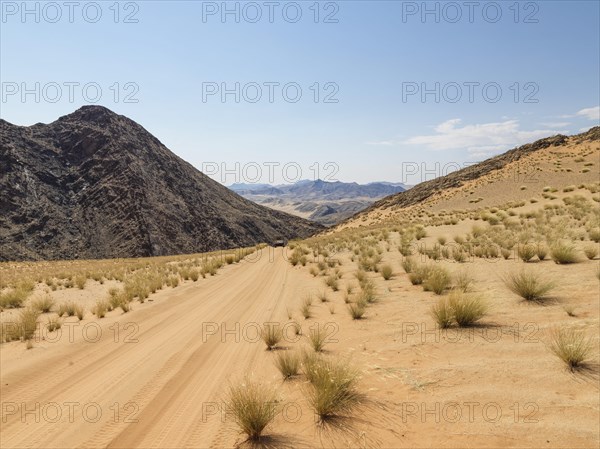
column 95, row 184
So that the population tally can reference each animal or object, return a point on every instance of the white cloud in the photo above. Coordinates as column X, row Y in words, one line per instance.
column 555, row 124
column 386, row 143
column 590, row 113
column 479, row 140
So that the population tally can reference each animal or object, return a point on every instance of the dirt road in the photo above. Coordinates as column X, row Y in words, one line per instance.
column 157, row 375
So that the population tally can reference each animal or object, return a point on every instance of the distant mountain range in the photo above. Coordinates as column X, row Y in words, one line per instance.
column 94, row 184
column 322, row 201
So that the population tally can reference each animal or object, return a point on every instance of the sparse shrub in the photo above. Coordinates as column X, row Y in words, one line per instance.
column 53, row 324
column 408, row 264
column 591, row 252
column 253, row 407
column 288, row 363
column 570, row 310
column 100, row 308
column 357, row 309
column 27, row 323
column 528, row 285
column 332, row 309
column 442, row 313
column 459, row 255
column 80, row 281
column 594, row 235
column 542, row 252
column 334, row 391
column 459, row 239
column 526, row 252
column 437, row 280
column 571, row 346
column 305, row 308
column 44, row 304
column 317, row 338
column 442, row 240
column 323, row 296
column 13, row 298
column 386, row 272
column 271, row 335
column 332, row 282
column 367, row 293
column 463, row 281
column 564, row 253
column 505, row 253
column 467, row 309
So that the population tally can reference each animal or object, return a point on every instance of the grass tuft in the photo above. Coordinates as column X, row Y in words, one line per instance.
column 288, row 363
column 564, row 253
column 571, row 346
column 529, row 285
column 317, row 338
column 334, row 389
column 253, row 407
column 271, row 334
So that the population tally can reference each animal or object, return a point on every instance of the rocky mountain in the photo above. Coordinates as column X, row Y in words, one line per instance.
column 94, row 184
column 322, row 201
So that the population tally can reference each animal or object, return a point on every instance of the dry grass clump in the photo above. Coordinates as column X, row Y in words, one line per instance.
column 80, row 281
column 317, row 338
column 529, row 285
column 460, row 308
column 333, row 390
column 53, row 324
column 100, row 308
column 323, row 296
column 463, row 281
column 305, row 307
column 386, row 272
column 271, row 334
column 408, row 264
column 253, row 407
column 70, row 308
column 367, row 293
column 23, row 328
column 419, row 274
column 467, row 309
column 14, row 298
column 526, row 252
column 572, row 347
column 288, row 363
column 357, row 309
column 591, row 251
column 442, row 313
column 43, row 304
column 332, row 282
column 437, row 280
column 564, row 253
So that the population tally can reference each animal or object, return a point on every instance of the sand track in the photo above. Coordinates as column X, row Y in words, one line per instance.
column 167, row 380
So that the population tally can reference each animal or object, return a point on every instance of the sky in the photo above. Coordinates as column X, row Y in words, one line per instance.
column 279, row 91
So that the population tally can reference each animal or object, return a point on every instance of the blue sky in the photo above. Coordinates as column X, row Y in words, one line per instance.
column 532, row 71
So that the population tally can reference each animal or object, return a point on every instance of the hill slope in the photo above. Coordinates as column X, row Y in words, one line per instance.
column 94, row 184
column 518, row 174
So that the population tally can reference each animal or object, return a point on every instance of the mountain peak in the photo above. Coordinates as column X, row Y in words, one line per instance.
column 90, row 113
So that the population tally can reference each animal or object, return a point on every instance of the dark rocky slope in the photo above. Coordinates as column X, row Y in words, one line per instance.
column 94, row 184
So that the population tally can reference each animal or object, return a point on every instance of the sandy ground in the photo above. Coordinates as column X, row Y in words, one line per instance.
column 157, row 376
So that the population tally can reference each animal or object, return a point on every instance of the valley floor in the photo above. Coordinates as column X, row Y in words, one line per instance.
column 158, row 375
